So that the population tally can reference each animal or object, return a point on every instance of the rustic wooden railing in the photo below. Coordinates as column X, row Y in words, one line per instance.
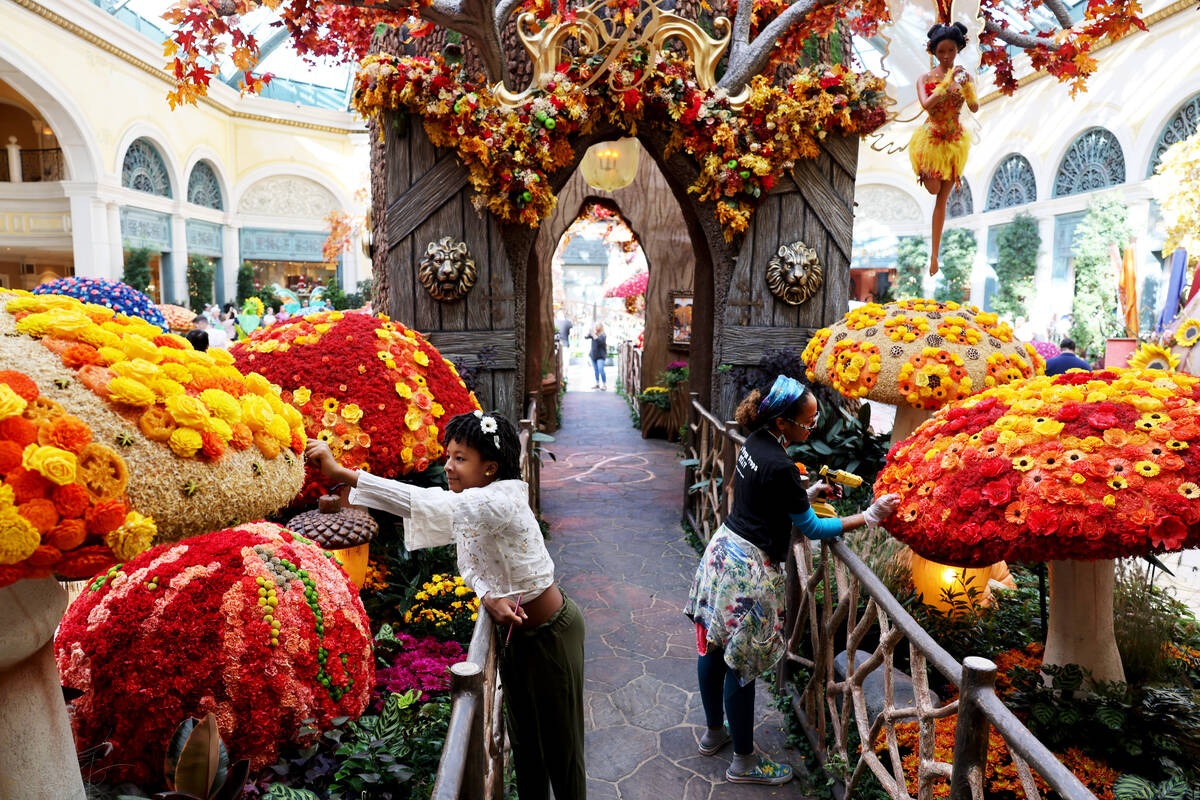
column 823, row 616
column 531, row 460
column 472, row 764
column 629, row 368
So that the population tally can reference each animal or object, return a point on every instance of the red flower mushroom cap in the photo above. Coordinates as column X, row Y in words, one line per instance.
column 1086, row 465
column 920, row 353
column 377, row 392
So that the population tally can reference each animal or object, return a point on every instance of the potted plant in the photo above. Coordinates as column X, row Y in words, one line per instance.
column 655, row 410
column 675, row 378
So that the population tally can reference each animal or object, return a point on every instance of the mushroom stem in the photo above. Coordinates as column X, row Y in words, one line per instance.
column 1081, row 618
column 908, row 419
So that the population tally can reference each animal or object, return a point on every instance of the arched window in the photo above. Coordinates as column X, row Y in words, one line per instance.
column 1182, row 124
column 203, row 189
column 1012, row 185
column 144, row 170
column 960, row 202
column 1093, row 161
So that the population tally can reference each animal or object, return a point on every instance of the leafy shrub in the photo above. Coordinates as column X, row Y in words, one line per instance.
column 1016, row 262
column 1106, row 224
column 199, row 282
column 1146, row 620
column 245, row 283
column 912, row 259
column 955, row 260
column 137, row 268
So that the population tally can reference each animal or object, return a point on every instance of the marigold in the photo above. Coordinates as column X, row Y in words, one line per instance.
column 70, row 500
column 68, row 534
column 105, row 516
column 243, row 437
column 41, row 515
column 134, row 536
column 126, row 390
column 184, row 442
column 20, row 383
column 18, row 539
column 67, row 432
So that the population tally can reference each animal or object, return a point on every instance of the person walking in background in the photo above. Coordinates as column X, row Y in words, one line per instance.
column 562, row 327
column 599, row 354
column 1066, row 359
column 737, row 600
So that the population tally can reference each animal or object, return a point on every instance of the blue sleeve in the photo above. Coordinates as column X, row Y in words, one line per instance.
column 814, row 527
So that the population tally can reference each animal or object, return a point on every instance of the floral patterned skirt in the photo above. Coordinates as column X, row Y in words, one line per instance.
column 738, row 598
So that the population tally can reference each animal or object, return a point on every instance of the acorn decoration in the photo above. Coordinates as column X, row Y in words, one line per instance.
column 344, row 530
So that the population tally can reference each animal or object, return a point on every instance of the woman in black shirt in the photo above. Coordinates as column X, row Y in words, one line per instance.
column 599, row 353
column 737, row 599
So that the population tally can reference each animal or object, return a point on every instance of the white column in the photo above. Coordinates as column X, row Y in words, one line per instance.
column 89, row 234
column 1045, row 308
column 179, row 257
column 116, row 242
column 979, row 268
column 231, row 261
column 14, row 159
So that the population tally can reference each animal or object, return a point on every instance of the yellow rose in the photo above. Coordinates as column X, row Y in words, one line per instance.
column 176, row 372
column 221, row 428
column 18, row 539
column 301, row 396
column 69, row 324
column 133, row 537
column 137, row 368
column 223, row 405
column 184, row 442
column 111, row 355
column 99, row 337
column 189, row 411
column 258, row 384
column 278, row 427
column 11, row 403
column 256, row 412
column 1048, row 427
column 293, row 417
column 412, row 418
column 437, row 410
column 351, row 413
column 139, row 347
column 55, row 464
column 420, row 357
column 223, row 357
column 404, row 391
column 274, row 402
column 131, row 392
column 165, row 387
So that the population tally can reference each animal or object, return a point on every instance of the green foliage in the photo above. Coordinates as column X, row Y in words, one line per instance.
column 1154, row 730
column 197, row 765
column 1134, row 787
column 390, row 756
column 842, row 440
column 245, row 283
column 199, row 282
column 912, row 259
column 657, row 396
column 342, row 301
column 1146, row 620
column 1106, row 224
column 137, row 268
column 955, row 260
column 1016, row 263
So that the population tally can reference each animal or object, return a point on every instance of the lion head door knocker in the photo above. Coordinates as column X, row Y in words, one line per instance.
column 794, row 273
column 447, row 270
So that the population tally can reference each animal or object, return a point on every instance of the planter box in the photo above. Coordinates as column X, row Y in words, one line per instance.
column 656, row 421
column 679, row 409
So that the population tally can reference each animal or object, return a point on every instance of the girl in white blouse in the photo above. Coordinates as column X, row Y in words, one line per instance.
column 502, row 556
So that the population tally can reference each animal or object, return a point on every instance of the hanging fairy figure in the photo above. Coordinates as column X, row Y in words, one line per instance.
column 938, row 150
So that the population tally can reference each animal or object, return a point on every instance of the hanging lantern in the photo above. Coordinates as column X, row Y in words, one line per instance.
column 609, row 166
column 345, row 531
column 947, row 589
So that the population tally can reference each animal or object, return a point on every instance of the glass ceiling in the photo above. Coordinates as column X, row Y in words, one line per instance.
column 323, row 84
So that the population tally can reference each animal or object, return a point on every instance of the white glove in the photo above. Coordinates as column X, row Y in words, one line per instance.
column 881, row 509
column 816, row 489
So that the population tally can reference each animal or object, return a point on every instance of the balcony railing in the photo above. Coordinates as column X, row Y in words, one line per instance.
column 835, row 601
column 19, row 165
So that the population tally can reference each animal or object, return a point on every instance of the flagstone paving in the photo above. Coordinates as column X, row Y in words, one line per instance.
column 613, row 502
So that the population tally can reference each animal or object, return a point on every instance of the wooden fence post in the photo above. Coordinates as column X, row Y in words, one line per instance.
column 467, row 679
column 971, row 735
column 690, row 450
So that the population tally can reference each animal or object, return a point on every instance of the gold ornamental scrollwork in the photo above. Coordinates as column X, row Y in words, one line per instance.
column 651, row 29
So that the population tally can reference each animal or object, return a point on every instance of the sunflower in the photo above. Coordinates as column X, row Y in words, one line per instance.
column 1153, row 356
column 1188, row 333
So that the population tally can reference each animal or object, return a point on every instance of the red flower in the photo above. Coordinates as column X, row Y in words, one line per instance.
column 105, row 516
column 1168, row 533
column 1043, row 520
column 998, row 493
column 994, row 468
column 70, row 501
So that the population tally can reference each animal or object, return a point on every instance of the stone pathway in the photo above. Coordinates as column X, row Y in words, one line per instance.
column 613, row 502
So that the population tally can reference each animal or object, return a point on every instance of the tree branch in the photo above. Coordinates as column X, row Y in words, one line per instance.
column 741, row 23
column 746, row 58
column 1059, row 9
column 1009, row 36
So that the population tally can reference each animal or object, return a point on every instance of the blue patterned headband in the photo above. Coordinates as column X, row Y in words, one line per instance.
column 784, row 392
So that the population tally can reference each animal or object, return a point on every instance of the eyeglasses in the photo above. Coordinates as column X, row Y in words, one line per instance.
column 810, row 427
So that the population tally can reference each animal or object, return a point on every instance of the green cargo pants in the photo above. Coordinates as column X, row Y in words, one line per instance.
column 542, row 673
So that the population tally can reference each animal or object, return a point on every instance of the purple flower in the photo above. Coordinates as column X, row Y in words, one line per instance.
column 677, row 365
column 422, row 664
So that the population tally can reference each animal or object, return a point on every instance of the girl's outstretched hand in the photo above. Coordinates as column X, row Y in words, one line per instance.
column 321, row 457
column 503, row 610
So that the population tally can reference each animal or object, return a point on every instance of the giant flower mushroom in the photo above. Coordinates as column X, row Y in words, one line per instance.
column 919, row 355
column 112, row 435
column 377, row 392
column 120, row 297
column 1074, row 469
